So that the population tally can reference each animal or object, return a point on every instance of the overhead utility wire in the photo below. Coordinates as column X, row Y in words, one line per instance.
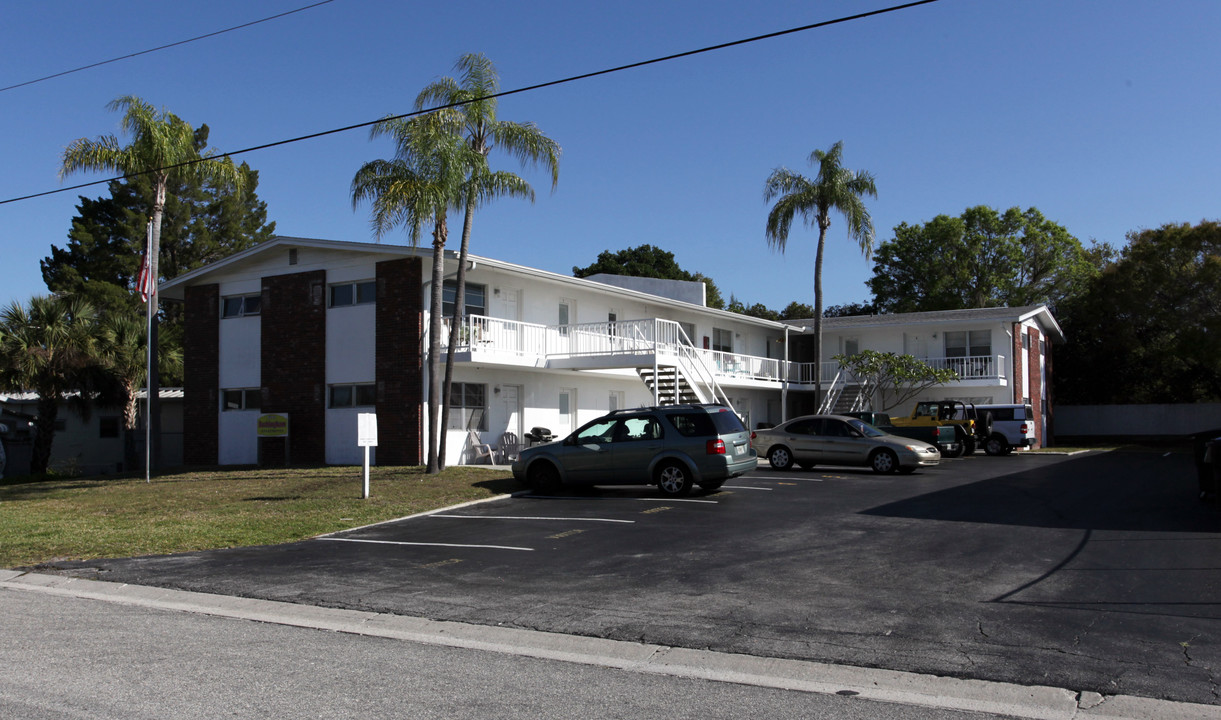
column 504, row 93
column 163, row 47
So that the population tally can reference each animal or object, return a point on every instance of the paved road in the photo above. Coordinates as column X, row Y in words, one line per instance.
column 1094, row 573
column 65, row 657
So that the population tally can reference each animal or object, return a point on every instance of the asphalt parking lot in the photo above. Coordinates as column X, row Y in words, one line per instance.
column 1097, row 572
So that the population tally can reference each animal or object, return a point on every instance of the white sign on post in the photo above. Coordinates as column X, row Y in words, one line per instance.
column 366, row 437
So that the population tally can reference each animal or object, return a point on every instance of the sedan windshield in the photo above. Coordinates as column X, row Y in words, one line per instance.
column 865, row 428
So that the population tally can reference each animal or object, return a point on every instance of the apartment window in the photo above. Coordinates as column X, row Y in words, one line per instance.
column 564, row 316
column 468, row 406
column 241, row 305
column 354, row 293
column 108, row 427
column 722, row 340
column 242, row 399
column 346, row 396
column 852, row 346
column 972, row 343
column 567, row 407
column 474, row 302
column 689, row 331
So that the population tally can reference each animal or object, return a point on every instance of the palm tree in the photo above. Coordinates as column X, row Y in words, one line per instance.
column 122, row 349
column 834, row 188
column 475, row 107
column 49, row 347
column 417, row 187
column 162, row 144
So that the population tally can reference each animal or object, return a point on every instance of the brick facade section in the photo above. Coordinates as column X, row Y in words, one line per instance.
column 1036, row 382
column 201, row 387
column 399, row 362
column 1018, row 353
column 293, row 365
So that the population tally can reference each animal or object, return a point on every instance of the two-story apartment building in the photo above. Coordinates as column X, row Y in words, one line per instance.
column 1001, row 355
column 323, row 330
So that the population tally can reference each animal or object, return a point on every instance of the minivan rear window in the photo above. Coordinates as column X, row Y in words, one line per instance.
column 727, row 423
column 696, row 424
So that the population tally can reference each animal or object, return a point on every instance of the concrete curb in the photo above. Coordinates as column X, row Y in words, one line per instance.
column 1043, row 703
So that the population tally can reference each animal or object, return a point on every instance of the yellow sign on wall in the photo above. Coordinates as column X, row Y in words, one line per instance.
column 273, row 425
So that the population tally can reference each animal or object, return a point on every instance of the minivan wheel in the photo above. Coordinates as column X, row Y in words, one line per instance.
column 996, row 445
column 543, row 477
column 780, row 458
column 884, row 461
column 673, row 480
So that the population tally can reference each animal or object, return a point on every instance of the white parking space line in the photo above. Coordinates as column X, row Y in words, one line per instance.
column 744, row 487
column 595, row 497
column 425, row 544
column 787, row 478
column 522, row 517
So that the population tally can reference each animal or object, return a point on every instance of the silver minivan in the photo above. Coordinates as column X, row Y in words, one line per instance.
column 674, row 447
column 1012, row 427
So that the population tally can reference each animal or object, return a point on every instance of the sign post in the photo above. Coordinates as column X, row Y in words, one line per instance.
column 366, row 437
column 274, row 425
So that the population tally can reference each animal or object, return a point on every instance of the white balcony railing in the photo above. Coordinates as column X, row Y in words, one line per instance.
column 636, row 337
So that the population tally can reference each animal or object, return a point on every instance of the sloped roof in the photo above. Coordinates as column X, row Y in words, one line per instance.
column 1041, row 313
column 174, row 289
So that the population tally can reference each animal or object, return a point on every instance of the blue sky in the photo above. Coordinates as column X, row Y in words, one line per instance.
column 1101, row 114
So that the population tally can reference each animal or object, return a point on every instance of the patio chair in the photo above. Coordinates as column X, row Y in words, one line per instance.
column 509, row 447
column 479, row 449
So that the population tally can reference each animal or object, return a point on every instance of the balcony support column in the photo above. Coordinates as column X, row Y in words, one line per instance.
column 784, row 379
column 656, row 379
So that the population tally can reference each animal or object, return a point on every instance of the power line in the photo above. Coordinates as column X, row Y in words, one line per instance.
column 163, row 47
column 505, row 93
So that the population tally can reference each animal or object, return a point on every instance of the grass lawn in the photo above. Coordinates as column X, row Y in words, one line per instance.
column 80, row 518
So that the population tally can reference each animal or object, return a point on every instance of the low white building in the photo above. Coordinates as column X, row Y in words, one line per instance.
column 322, row 330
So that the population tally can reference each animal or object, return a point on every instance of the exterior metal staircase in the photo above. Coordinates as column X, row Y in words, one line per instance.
column 669, row 386
column 840, row 399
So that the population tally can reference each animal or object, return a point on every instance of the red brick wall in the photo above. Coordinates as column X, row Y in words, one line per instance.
column 1017, row 355
column 399, row 362
column 1036, row 382
column 293, row 367
column 201, row 357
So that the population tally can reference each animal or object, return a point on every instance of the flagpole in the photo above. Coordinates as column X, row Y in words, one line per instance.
column 148, row 345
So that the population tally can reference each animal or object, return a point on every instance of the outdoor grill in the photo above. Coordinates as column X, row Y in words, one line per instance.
column 539, row 435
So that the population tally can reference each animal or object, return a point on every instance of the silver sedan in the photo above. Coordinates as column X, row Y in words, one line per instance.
column 838, row 440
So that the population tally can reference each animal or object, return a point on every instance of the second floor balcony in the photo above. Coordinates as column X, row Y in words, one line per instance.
column 630, row 344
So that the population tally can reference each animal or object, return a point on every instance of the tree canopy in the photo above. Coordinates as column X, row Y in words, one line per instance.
column 50, row 346
column 203, row 221
column 903, row 377
column 982, row 258
column 652, row 262
column 1148, row 328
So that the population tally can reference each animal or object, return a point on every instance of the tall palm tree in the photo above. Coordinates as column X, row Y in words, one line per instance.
column 162, row 144
column 122, row 349
column 471, row 99
column 418, row 186
column 50, row 348
column 834, row 188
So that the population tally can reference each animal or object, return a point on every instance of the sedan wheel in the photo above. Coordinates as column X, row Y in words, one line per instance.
column 543, row 477
column 780, row 458
column 673, row 480
column 884, row 461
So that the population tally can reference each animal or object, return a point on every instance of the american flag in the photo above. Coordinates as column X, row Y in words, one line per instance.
column 144, row 281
